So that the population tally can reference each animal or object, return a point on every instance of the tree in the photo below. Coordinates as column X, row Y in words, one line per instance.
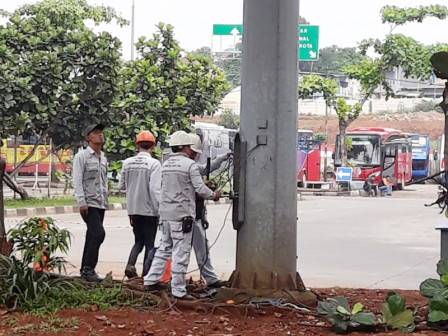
column 311, row 84
column 395, row 51
column 229, row 119
column 204, row 51
column 56, row 75
column 334, row 58
column 161, row 90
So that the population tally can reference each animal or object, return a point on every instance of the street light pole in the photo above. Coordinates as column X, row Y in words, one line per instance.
column 326, row 133
column 132, row 30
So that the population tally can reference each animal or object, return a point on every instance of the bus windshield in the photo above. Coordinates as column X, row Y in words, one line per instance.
column 303, row 137
column 362, row 150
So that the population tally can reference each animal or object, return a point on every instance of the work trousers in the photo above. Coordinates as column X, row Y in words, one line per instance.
column 201, row 250
column 94, row 237
column 176, row 245
column 145, row 230
column 387, row 189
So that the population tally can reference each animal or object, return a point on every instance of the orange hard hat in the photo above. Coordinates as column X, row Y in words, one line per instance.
column 145, row 136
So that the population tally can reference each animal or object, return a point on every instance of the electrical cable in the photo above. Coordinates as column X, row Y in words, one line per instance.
column 225, row 218
column 248, row 154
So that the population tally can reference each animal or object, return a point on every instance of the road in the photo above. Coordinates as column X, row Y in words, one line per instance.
column 369, row 242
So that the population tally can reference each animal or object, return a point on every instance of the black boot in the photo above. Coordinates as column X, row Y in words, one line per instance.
column 130, row 271
column 88, row 274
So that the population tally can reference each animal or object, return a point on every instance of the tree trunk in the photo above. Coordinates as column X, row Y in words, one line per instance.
column 343, row 142
column 343, row 125
column 13, row 185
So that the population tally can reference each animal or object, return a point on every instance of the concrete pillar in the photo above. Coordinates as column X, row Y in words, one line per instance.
column 267, row 241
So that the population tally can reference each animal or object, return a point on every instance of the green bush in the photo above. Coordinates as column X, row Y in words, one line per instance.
column 427, row 106
column 38, row 240
column 24, row 288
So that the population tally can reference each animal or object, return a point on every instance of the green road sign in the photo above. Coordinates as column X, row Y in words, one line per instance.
column 308, row 39
column 220, row 29
column 308, row 43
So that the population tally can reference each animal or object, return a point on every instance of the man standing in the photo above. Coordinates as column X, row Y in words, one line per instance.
column 200, row 242
column 141, row 179
column 90, row 184
column 180, row 181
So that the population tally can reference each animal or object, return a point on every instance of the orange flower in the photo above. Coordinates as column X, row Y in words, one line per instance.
column 37, row 267
column 44, row 258
column 43, row 224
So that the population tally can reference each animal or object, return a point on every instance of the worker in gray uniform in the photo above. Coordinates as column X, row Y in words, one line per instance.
column 200, row 242
column 141, row 179
column 180, row 181
column 90, row 190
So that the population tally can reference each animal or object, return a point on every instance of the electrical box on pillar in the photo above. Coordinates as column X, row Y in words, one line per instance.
column 239, row 180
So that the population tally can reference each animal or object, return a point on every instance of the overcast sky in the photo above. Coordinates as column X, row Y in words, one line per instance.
column 343, row 23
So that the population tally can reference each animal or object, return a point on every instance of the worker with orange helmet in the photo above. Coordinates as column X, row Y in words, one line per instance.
column 141, row 179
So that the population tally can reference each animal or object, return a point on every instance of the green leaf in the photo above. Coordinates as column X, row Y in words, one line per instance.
column 438, row 303
column 442, row 267
column 430, row 287
column 342, row 310
column 437, row 316
column 439, row 62
column 357, row 308
column 365, row 318
column 396, row 304
column 405, row 319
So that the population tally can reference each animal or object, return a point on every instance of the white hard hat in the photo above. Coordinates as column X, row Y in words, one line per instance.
column 180, row 138
column 196, row 146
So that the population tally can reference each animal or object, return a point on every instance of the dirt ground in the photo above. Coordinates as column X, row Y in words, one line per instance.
column 227, row 320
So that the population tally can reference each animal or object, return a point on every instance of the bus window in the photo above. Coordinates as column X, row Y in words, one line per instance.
column 365, row 150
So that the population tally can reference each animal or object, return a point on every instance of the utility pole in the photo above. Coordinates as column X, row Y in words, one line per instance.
column 132, row 30
column 266, row 260
column 326, row 133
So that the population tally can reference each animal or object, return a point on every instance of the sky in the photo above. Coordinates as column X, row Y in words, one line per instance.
column 343, row 23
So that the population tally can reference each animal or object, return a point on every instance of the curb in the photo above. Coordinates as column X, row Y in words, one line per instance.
column 45, row 211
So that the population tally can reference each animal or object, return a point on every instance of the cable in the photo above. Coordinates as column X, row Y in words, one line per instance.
column 216, row 239
column 222, row 227
column 208, row 248
column 248, row 154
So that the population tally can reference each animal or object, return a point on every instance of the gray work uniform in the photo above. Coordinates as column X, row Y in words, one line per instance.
column 90, row 184
column 180, row 181
column 141, row 179
column 90, row 179
column 200, row 241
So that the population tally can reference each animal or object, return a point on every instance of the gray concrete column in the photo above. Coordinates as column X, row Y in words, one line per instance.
column 267, row 241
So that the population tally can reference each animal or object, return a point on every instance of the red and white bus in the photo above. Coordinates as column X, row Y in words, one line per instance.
column 308, row 158
column 377, row 152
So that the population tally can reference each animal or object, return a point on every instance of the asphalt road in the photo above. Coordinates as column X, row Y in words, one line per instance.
column 382, row 242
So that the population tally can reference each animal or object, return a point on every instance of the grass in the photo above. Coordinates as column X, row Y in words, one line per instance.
column 46, row 202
